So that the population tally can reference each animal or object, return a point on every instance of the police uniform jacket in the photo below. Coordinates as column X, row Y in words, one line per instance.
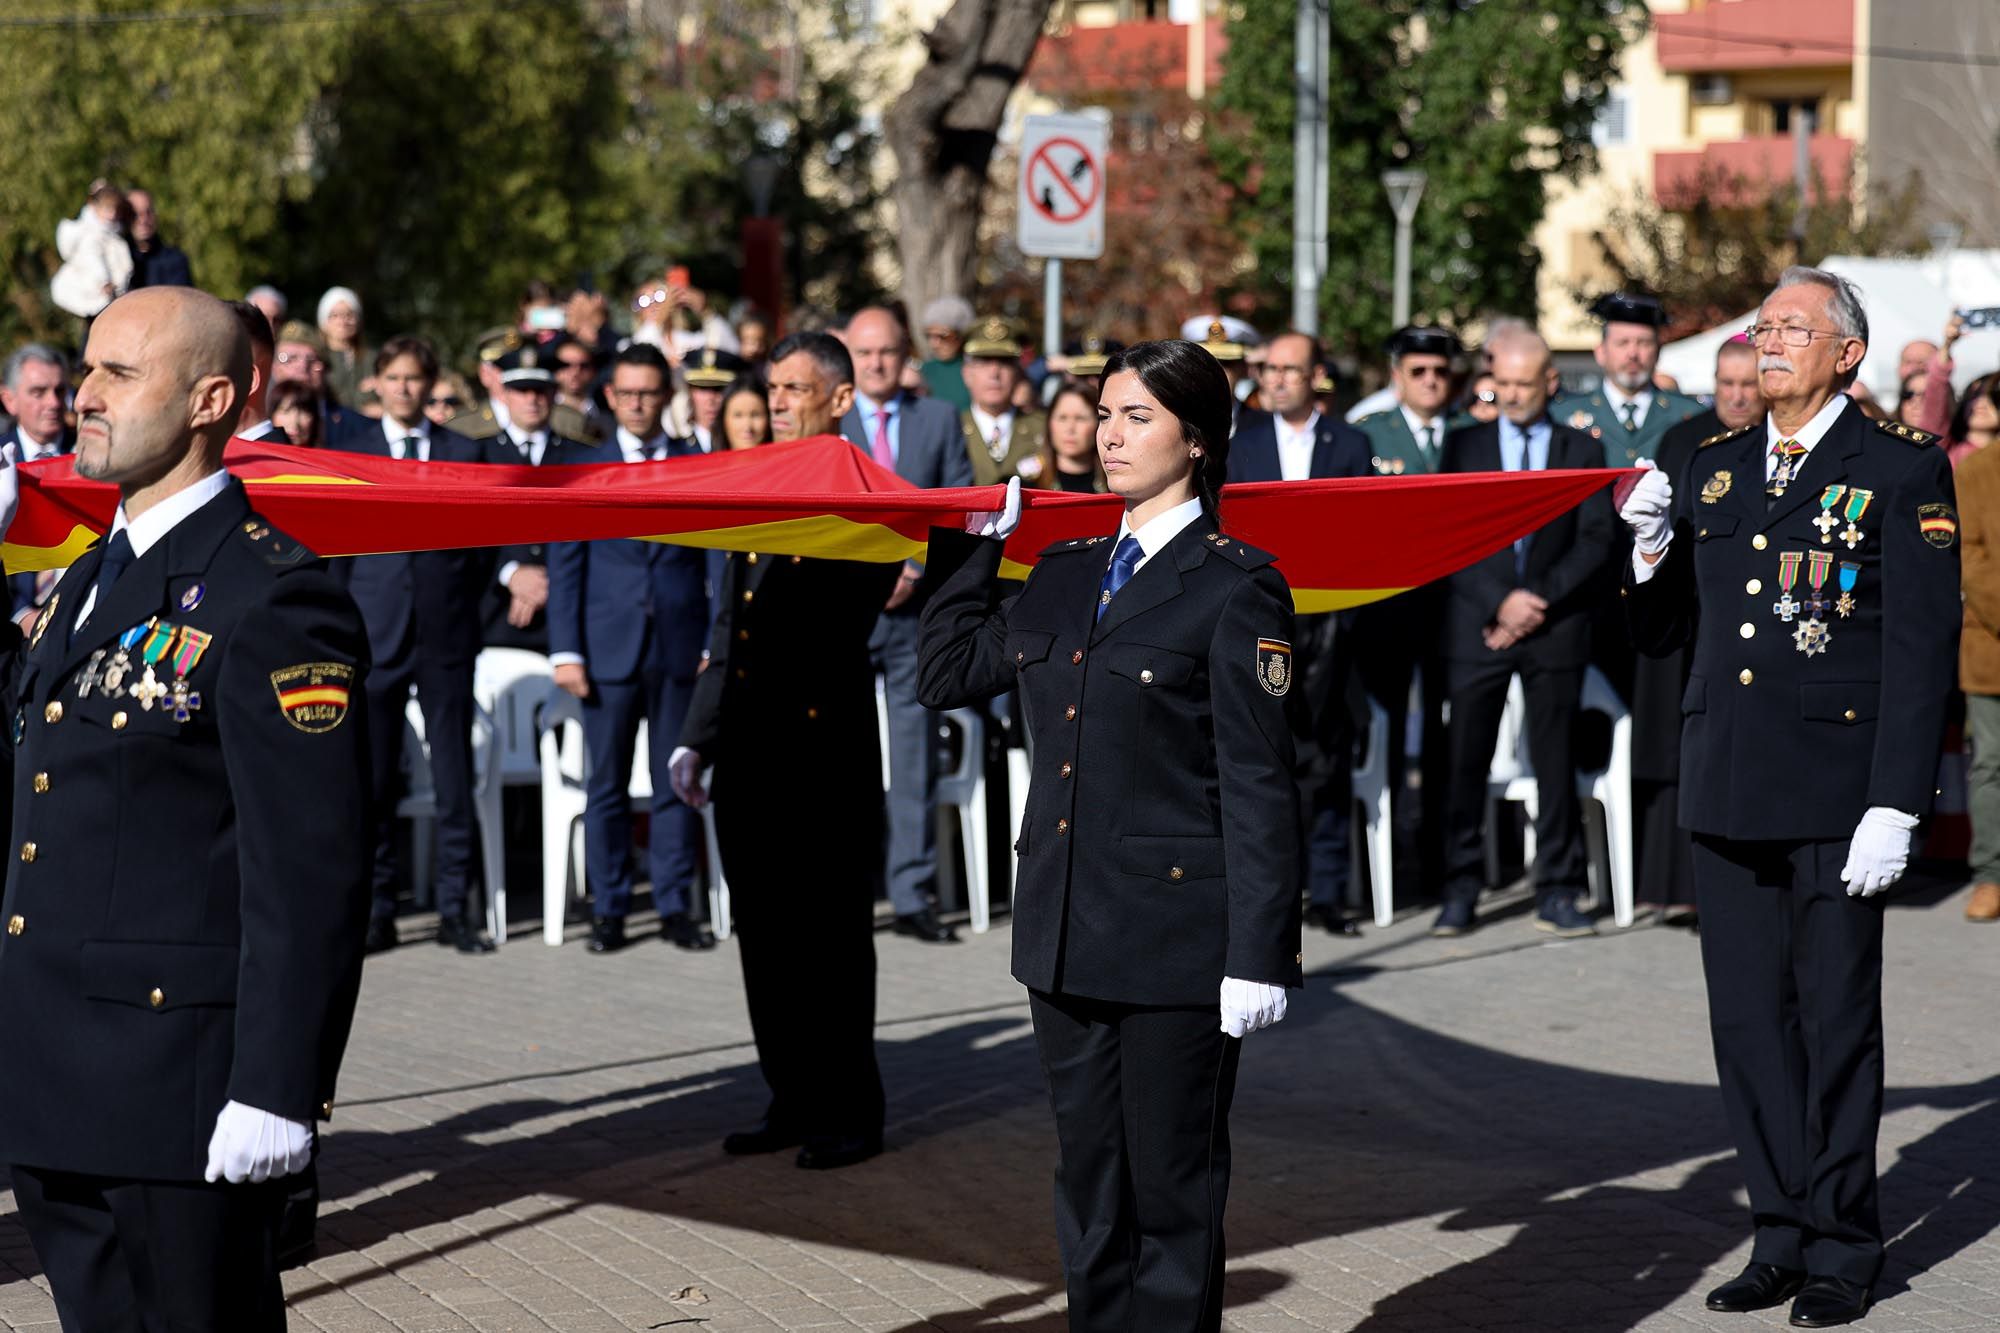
column 1779, row 743
column 187, row 886
column 1593, row 414
column 1160, row 849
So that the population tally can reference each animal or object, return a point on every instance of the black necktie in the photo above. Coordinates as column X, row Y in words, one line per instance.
column 117, row 555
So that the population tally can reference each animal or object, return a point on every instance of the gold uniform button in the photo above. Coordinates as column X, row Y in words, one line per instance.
column 741, row 672
column 16, row 924
column 750, row 559
column 795, row 559
column 1176, row 873
column 1754, row 586
column 326, row 1110
column 812, row 714
column 1062, row 826
column 157, row 998
column 27, row 851
column 53, row 713
column 749, row 595
column 1067, row 770
column 1758, row 542
column 1020, row 657
column 1747, row 630
column 1702, row 533
column 1146, row 677
column 41, row 783
column 1746, row 675
column 1849, row 715
column 1075, row 657
column 1069, row 714
column 1298, row 958
column 118, row 720
column 742, row 636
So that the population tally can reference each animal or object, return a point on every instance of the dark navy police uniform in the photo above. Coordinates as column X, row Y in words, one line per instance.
column 1824, row 632
column 1160, row 852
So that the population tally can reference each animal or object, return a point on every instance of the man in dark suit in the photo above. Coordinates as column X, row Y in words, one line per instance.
column 1665, row 872
column 1524, row 609
column 34, row 390
column 422, row 614
column 1294, row 441
column 1808, row 755
column 255, row 422
column 155, row 263
column 919, row 440
column 184, row 917
column 788, row 697
column 627, row 624
column 514, row 603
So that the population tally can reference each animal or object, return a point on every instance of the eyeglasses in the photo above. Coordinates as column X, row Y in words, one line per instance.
column 635, row 395
column 1791, row 335
column 943, row 335
column 451, row 401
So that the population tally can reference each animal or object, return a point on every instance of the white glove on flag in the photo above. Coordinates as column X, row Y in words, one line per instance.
column 1647, row 509
column 1879, row 851
column 1250, row 1005
column 998, row 522
column 253, row 1145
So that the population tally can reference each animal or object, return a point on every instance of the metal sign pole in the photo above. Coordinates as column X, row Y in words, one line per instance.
column 1051, row 309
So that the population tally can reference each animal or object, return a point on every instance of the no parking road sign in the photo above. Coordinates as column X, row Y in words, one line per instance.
column 1060, row 200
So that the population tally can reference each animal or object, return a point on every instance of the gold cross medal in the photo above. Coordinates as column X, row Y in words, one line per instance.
column 1857, row 504
column 1826, row 522
column 1849, row 572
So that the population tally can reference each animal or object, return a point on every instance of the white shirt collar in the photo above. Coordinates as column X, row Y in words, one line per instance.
column 635, row 448
column 1287, row 430
column 145, row 531
column 1617, row 397
column 395, row 431
column 1418, row 425
column 1160, row 529
column 985, row 424
column 1814, row 430
column 31, row 448
column 255, row 429
column 870, row 408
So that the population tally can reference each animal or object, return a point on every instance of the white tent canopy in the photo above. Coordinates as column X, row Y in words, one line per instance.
column 1905, row 299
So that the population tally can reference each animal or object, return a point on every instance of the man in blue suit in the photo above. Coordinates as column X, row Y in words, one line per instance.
column 1295, row 441
column 627, row 624
column 421, row 611
column 920, row 441
column 34, row 390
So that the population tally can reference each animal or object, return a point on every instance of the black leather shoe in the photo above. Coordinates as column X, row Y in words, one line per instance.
column 464, row 937
column 765, row 1138
column 1559, row 916
column 1332, row 921
column 607, row 934
column 1454, row 918
column 1757, row 1287
column 683, row 932
column 925, row 926
column 1828, row 1302
column 832, row 1154
column 381, row 934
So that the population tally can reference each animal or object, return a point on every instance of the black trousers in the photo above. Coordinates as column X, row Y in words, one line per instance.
column 1141, row 1098
column 1478, row 696
column 1392, row 652
column 444, row 694
column 805, row 928
column 153, row 1256
column 1794, row 969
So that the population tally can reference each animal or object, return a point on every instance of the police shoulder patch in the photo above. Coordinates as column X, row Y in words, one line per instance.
column 1938, row 523
column 274, row 546
column 1907, row 434
column 1274, row 665
column 313, row 696
column 1727, row 435
column 1237, row 552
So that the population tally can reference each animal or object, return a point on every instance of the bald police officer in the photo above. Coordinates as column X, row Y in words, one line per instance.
column 186, row 764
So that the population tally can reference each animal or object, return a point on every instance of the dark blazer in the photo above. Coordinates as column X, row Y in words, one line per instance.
column 1160, row 850
column 1777, row 743
column 930, row 445
column 495, row 601
column 1339, row 450
column 627, row 607
column 1568, row 558
column 424, row 602
column 185, row 919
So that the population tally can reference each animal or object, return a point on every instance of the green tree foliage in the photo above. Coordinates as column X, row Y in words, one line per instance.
column 1489, row 97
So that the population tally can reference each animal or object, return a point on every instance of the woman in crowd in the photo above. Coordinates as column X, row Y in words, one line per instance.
column 1479, row 404
column 1068, row 460
column 294, row 409
column 450, row 395
column 1975, row 420
column 746, row 415
column 1159, row 859
column 347, row 359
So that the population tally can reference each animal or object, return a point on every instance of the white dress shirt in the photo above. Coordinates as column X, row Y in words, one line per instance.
column 1295, row 447
column 1418, row 426
column 32, row 448
column 1157, row 531
column 146, row 531
column 1641, row 402
column 532, row 445
column 986, row 425
column 704, row 439
column 637, row 450
column 408, row 442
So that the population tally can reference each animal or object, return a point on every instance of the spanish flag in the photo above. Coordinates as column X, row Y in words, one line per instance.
column 1339, row 543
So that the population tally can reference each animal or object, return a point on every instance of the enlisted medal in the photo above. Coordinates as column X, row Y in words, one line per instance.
column 1849, row 572
column 91, row 676
column 185, row 702
column 1788, row 607
column 1857, row 505
column 1819, row 566
column 192, row 597
column 149, row 690
column 1810, row 638
column 1826, row 522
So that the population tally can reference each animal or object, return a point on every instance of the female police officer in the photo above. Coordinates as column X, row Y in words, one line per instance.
column 1159, row 855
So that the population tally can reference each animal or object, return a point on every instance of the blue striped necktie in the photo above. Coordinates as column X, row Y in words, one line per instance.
column 1124, row 560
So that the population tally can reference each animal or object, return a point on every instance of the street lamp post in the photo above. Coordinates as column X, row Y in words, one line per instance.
column 1405, row 189
column 1309, row 163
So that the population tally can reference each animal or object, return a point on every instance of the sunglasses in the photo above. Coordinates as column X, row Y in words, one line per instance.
column 574, row 365
column 1427, row 372
column 451, row 401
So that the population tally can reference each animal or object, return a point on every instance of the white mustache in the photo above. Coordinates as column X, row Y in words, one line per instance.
column 1775, row 363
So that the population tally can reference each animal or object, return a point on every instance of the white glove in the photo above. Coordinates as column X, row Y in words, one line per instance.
column 684, row 772
column 1879, row 851
column 998, row 522
column 10, row 485
column 1250, row 1005
column 249, row 1144
column 1647, row 508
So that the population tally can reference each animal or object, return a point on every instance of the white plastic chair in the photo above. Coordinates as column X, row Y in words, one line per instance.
column 964, row 790
column 1512, row 778
column 419, row 800
column 1377, row 846
column 509, row 688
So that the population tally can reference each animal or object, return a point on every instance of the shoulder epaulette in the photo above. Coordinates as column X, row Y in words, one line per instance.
column 1073, row 544
column 1365, row 419
column 1239, row 553
column 274, row 546
column 1908, row 434
column 1726, row 435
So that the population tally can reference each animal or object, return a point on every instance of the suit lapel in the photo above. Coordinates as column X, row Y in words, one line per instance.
column 1157, row 582
column 1322, row 459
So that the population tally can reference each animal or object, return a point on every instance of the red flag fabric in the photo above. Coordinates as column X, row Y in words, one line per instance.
column 1339, row 543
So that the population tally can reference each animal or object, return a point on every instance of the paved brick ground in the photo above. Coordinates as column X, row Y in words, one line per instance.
column 1497, row 1133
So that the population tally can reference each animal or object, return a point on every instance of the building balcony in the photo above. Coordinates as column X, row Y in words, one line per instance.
column 1140, row 53
column 1741, row 171
column 1725, row 35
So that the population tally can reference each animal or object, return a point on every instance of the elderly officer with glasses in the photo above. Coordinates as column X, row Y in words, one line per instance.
column 1810, row 559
